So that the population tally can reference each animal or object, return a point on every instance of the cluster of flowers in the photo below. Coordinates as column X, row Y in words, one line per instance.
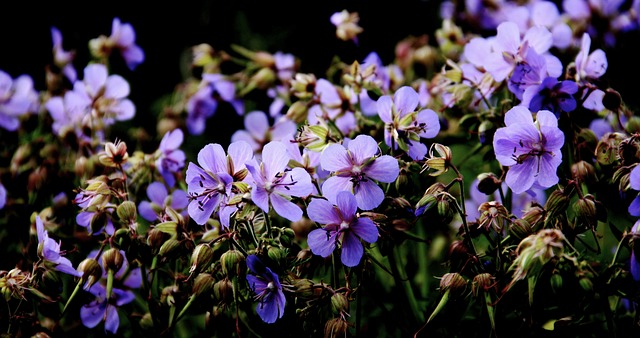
column 343, row 193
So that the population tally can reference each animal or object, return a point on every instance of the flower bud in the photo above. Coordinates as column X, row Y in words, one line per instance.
column 277, row 255
column 112, row 259
column 233, row 263
column 584, row 172
column 170, row 248
column 586, row 284
column 339, row 303
column 168, row 295
column 203, row 284
column 455, row 282
column 122, row 237
column 287, row 236
column 556, row 283
column 520, row 228
column 304, row 288
column 223, row 291
column 488, row 183
column 146, row 322
column 127, row 212
column 557, row 203
column 91, row 271
column 534, row 215
column 155, row 238
column 335, row 327
column 612, row 100
column 482, row 282
column 585, row 210
column 201, row 258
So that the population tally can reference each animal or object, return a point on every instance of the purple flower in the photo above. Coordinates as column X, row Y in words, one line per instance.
column 266, row 285
column 342, row 225
column 531, row 149
column 105, row 309
column 634, row 183
column 124, row 38
column 520, row 203
column 404, row 126
column 333, row 104
column 170, row 158
column 50, row 251
column 257, row 131
column 62, row 58
column 204, row 103
column 275, row 183
column 551, row 95
column 107, row 93
column 3, row 196
column 17, row 98
column 355, row 169
column 160, row 199
column 71, row 114
column 634, row 264
column 207, row 185
column 590, row 66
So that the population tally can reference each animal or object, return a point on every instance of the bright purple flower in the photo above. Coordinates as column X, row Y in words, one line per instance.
column 50, row 251
column 108, row 94
column 551, row 95
column 204, row 103
column 124, row 38
column 528, row 73
column 275, row 183
column 634, row 264
column 404, row 124
column 3, row 196
column 634, row 183
column 257, row 131
column 170, row 158
column 355, row 169
column 105, row 309
column 159, row 199
column 342, row 225
column 207, row 185
column 17, row 98
column 531, row 149
column 61, row 58
column 266, row 285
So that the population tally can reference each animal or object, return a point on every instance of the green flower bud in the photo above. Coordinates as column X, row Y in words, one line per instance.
column 633, row 125
column 557, row 203
column 203, row 284
column 304, row 288
column 534, row 215
column 201, row 258
column 223, row 291
column 168, row 295
column 585, row 210
column 277, row 255
column 112, row 259
column 127, row 212
column 91, row 271
column 146, row 322
column 170, row 248
column 454, row 282
column 233, row 263
column 339, row 303
column 298, row 111
column 287, row 236
column 586, row 284
column 520, row 229
column 556, row 283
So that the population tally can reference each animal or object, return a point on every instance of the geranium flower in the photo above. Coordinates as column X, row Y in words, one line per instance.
column 62, row 58
column 170, row 158
column 49, row 250
column 404, row 125
column 159, row 200
column 123, row 37
column 553, row 95
column 258, row 131
column 355, row 169
column 634, row 264
column 213, row 89
column 342, row 226
column 634, row 183
column 17, row 98
column 266, row 285
column 531, row 149
column 274, row 183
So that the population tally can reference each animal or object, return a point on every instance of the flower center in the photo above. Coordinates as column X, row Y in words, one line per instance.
column 344, row 226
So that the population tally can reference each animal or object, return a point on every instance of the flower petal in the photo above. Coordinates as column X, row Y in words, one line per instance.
column 384, row 169
column 365, row 229
column 352, row 250
column 322, row 242
column 335, row 158
column 368, row 195
column 285, row 207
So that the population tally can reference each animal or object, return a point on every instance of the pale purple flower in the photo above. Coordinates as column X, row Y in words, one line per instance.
column 49, row 249
column 170, row 158
column 528, row 74
column 634, row 183
column 89, row 219
column 531, row 149
column 520, row 203
column 17, row 98
column 275, row 183
column 355, row 170
column 266, row 285
column 124, row 38
column 71, row 114
column 590, row 66
column 108, row 94
column 159, row 199
column 61, row 58
column 634, row 264
column 285, row 64
column 333, row 104
column 103, row 309
column 213, row 89
column 259, row 132
column 3, row 196
column 207, row 185
column 404, row 122
column 342, row 226
column 553, row 95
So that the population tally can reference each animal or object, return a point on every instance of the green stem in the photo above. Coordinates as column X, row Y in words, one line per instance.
column 73, row 294
column 403, row 283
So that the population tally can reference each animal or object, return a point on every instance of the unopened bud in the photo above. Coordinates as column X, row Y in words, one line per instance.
column 304, row 288
column 612, row 100
column 335, row 327
column 482, row 282
column 455, row 282
column 201, row 258
column 170, row 248
column 583, row 172
column 557, row 203
column 339, row 303
column 277, row 255
column 520, row 228
column 287, row 236
column 488, row 183
column 203, row 284
column 633, row 125
column 146, row 322
column 556, row 283
column 91, row 271
column 233, row 263
column 223, row 291
column 586, row 284
column 534, row 215
column 127, row 212
column 112, row 259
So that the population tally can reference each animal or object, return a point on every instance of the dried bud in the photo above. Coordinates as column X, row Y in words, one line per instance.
column 339, row 303
column 488, row 183
column 439, row 159
column 482, row 282
column 607, row 148
column 203, row 284
column 114, row 154
column 155, row 238
column 454, row 282
column 557, row 203
column 335, row 327
column 233, row 263
column 201, row 258
column 346, row 25
column 91, row 271
column 112, row 259
column 585, row 210
column 534, row 215
column 304, row 288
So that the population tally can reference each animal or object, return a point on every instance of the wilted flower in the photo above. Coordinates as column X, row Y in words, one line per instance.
column 266, row 285
column 114, row 154
column 346, row 25
column 342, row 227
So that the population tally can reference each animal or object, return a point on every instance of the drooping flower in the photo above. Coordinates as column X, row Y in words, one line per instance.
column 342, row 227
column 266, row 285
column 404, row 125
column 49, row 250
column 159, row 200
column 355, row 169
column 170, row 158
column 207, row 185
column 531, row 149
column 17, row 98
column 103, row 309
column 275, row 183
